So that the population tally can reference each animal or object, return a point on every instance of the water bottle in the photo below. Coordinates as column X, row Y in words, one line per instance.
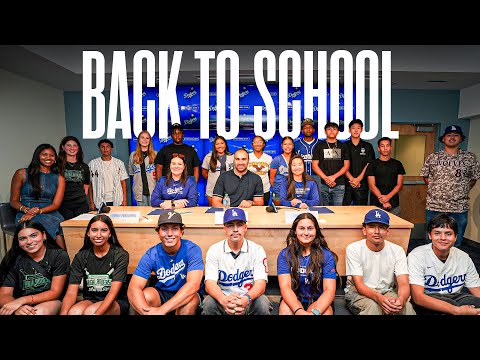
column 226, row 201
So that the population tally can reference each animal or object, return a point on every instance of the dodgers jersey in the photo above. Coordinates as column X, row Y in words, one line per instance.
column 427, row 270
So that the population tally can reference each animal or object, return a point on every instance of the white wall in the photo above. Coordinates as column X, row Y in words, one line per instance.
column 473, row 228
column 469, row 105
column 30, row 114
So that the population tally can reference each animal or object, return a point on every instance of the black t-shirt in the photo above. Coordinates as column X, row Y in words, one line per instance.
column 98, row 273
column 164, row 156
column 26, row 280
column 331, row 157
column 76, row 175
column 360, row 156
column 145, row 190
column 238, row 188
column 386, row 176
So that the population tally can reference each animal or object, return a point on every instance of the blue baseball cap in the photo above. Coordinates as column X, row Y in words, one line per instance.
column 377, row 216
column 234, row 214
column 452, row 129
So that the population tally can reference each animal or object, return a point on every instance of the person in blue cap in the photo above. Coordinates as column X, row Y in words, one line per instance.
column 450, row 174
column 236, row 272
column 377, row 271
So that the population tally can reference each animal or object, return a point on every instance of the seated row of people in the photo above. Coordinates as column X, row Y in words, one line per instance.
column 380, row 278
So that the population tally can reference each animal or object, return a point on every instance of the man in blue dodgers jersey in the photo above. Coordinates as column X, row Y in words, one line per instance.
column 236, row 272
column 178, row 267
column 439, row 271
column 305, row 146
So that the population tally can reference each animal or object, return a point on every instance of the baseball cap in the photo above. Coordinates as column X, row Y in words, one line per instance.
column 176, row 126
column 234, row 214
column 170, row 217
column 307, row 121
column 377, row 216
column 450, row 129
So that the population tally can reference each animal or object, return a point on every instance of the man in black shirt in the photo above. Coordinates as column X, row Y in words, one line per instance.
column 242, row 186
column 361, row 153
column 164, row 156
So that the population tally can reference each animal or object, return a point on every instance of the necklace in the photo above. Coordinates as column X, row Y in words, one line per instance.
column 71, row 164
column 334, row 145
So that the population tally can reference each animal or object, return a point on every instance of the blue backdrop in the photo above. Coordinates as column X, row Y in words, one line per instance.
column 189, row 109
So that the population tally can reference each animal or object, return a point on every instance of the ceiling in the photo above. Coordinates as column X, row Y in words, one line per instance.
column 440, row 67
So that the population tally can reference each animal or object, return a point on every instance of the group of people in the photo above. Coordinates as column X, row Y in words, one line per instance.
column 36, row 277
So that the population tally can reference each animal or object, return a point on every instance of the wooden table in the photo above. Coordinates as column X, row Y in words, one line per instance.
column 341, row 228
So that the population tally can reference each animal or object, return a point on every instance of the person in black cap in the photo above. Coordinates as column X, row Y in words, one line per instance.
column 164, row 156
column 377, row 271
column 450, row 174
column 178, row 266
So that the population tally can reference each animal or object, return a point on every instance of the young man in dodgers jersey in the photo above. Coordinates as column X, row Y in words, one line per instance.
column 439, row 271
column 178, row 267
column 236, row 272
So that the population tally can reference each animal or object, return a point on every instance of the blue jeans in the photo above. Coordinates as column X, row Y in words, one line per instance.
column 318, row 180
column 460, row 218
column 332, row 196
column 145, row 201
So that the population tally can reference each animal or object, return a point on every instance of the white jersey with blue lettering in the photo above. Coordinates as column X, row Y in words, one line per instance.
column 236, row 275
column 427, row 270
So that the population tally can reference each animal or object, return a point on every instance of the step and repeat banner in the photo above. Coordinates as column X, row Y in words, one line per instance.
column 189, row 109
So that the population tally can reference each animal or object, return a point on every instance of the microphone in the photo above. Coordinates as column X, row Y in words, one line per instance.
column 272, row 208
column 104, row 209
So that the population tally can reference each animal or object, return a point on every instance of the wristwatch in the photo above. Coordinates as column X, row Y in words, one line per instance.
column 173, row 203
column 316, row 312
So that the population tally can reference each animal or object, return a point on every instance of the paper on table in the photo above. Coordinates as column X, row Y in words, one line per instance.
column 86, row 216
column 290, row 216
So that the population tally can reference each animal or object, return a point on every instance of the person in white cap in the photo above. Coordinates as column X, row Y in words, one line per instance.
column 450, row 174
column 377, row 272
column 236, row 272
column 178, row 266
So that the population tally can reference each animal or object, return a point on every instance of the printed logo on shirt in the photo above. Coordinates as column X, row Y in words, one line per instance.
column 237, row 279
column 446, row 283
column 163, row 275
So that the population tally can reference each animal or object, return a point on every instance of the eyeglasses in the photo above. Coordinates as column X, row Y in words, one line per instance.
column 181, row 156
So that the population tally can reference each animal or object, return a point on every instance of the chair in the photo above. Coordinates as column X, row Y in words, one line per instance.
column 7, row 220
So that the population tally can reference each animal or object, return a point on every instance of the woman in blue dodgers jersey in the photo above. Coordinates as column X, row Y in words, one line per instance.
column 306, row 270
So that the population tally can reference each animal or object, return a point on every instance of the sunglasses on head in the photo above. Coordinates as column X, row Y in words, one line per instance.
column 181, row 156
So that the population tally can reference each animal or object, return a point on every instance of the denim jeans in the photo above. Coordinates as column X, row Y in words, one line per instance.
column 145, row 201
column 460, row 218
column 332, row 196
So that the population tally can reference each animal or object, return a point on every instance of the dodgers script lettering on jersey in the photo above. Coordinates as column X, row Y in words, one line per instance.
column 290, row 67
column 237, row 279
column 164, row 275
column 446, row 283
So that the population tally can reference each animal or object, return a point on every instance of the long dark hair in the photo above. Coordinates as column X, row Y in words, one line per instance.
column 291, row 181
column 183, row 178
column 294, row 252
column 11, row 256
column 112, row 240
column 214, row 157
column 33, row 169
column 62, row 156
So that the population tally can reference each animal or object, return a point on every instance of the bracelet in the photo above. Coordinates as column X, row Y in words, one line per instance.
column 21, row 208
column 249, row 298
column 41, row 211
column 295, row 312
